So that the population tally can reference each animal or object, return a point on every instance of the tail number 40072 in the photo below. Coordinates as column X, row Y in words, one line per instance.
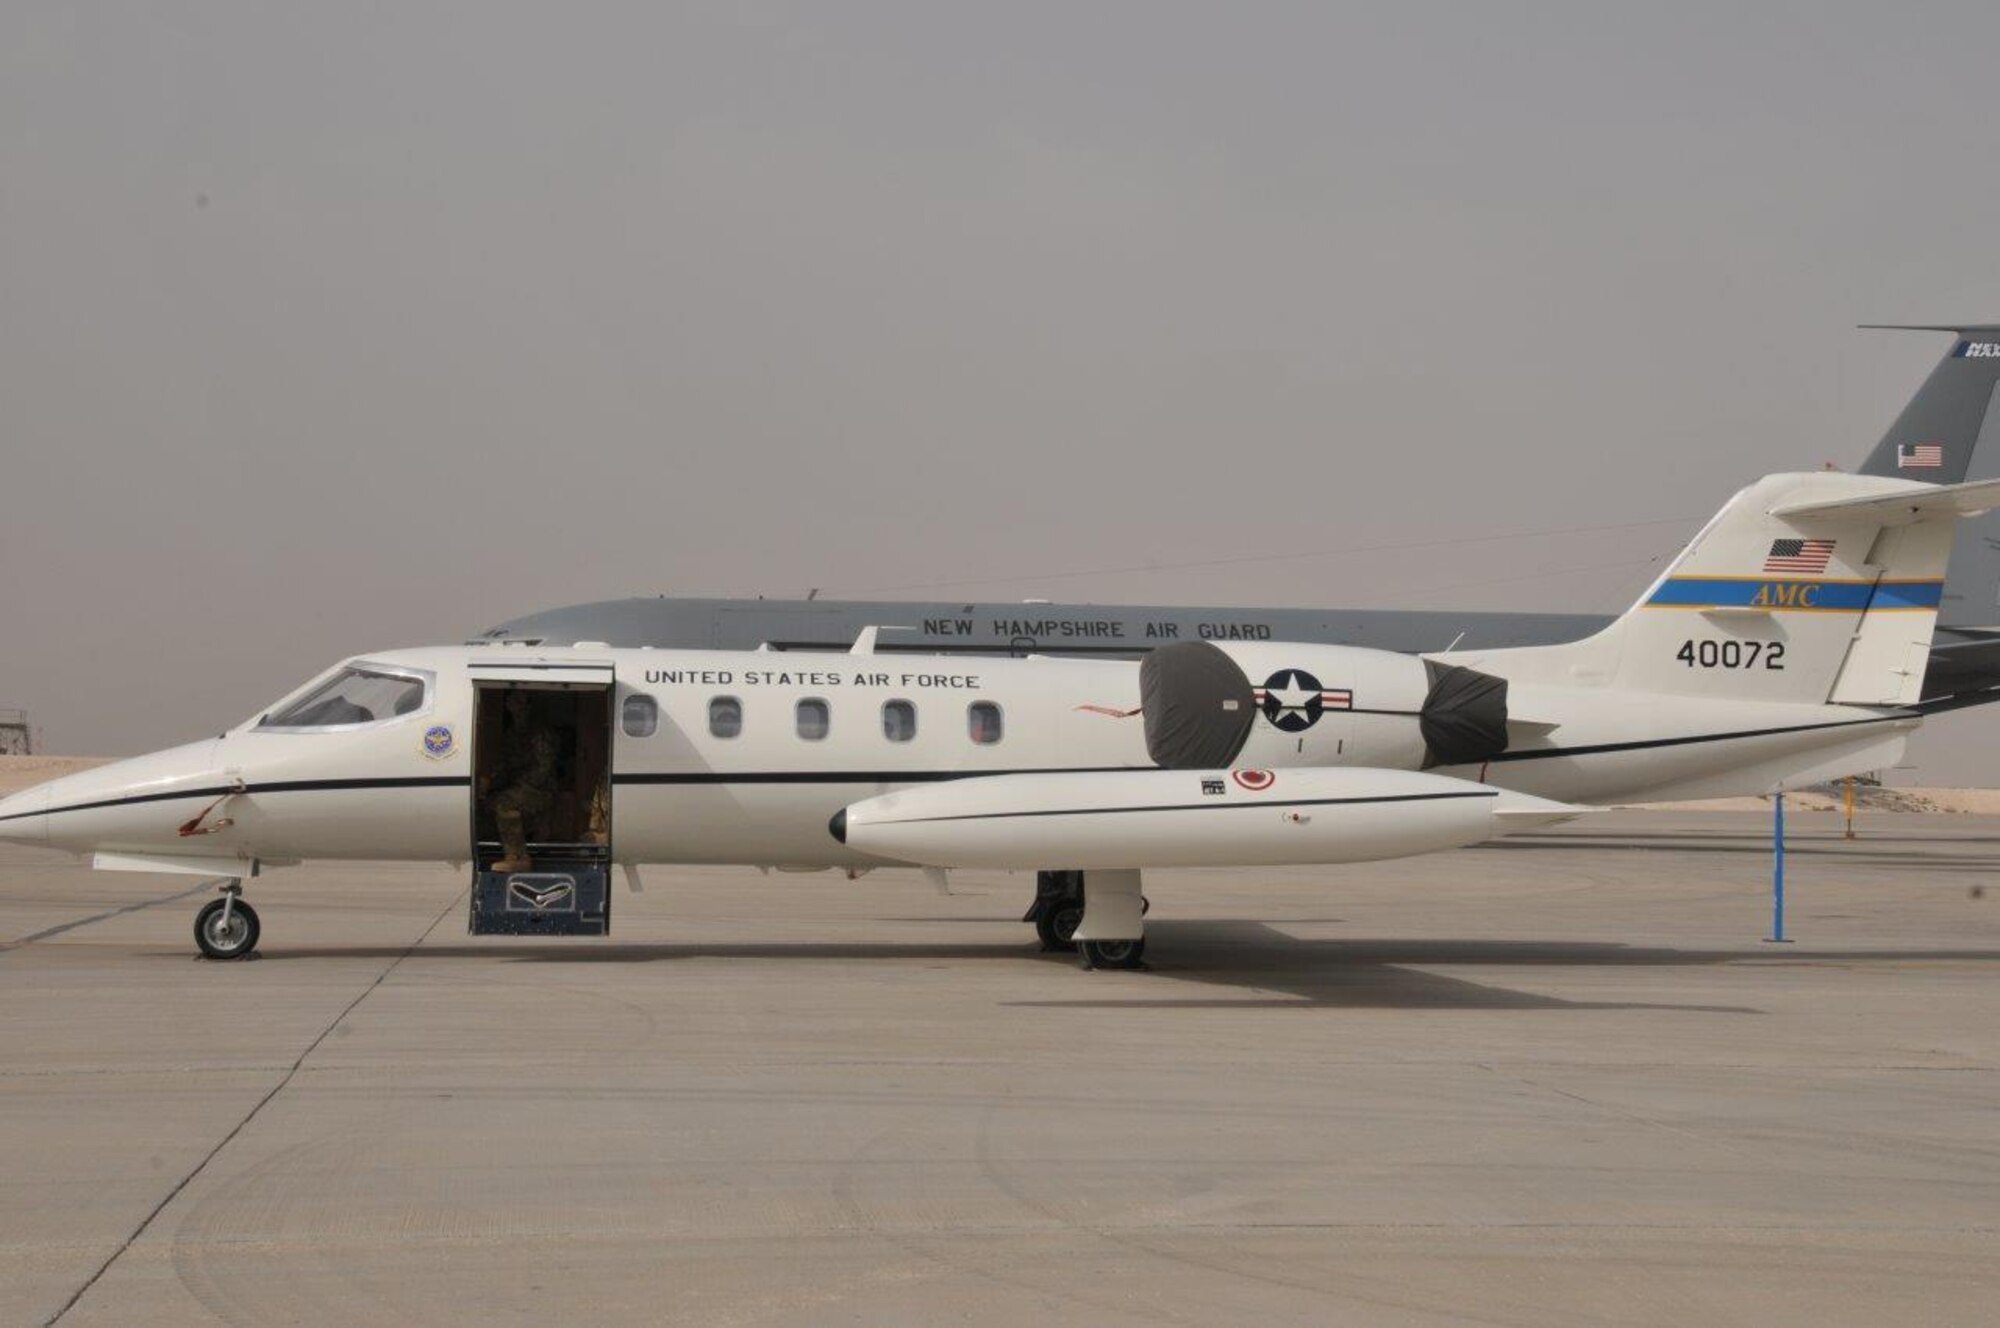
column 1732, row 654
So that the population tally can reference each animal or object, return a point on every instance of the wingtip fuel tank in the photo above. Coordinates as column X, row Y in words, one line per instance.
column 1186, row 818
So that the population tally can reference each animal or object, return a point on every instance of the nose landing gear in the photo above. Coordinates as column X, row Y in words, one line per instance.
column 226, row 928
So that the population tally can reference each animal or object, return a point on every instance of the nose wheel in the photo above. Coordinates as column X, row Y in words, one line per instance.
column 226, row 928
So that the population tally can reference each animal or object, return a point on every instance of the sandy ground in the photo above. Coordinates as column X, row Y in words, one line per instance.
column 1553, row 1081
column 22, row 772
column 1960, row 801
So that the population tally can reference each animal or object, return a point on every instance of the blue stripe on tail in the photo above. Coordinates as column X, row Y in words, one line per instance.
column 1781, row 593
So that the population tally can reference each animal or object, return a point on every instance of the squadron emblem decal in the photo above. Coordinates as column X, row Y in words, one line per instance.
column 540, row 894
column 439, row 742
column 1293, row 700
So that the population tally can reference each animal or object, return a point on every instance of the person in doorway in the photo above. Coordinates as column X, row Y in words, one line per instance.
column 600, row 811
column 526, row 785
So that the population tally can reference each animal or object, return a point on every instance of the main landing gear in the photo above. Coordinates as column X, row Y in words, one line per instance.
column 226, row 928
column 1058, row 910
column 1114, row 954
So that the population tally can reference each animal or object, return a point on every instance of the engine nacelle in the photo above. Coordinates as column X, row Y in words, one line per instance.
column 1211, row 704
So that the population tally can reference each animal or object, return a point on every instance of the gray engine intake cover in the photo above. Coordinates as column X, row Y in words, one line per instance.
column 1198, row 706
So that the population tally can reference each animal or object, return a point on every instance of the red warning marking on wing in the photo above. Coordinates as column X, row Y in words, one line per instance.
column 1114, row 713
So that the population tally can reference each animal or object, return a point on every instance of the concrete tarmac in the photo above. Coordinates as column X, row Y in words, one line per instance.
column 1554, row 1081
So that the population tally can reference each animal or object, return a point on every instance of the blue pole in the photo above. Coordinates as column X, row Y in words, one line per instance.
column 1778, row 870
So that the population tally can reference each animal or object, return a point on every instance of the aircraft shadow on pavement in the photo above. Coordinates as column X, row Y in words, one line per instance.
column 1833, row 850
column 1277, row 970
column 1927, row 850
column 1263, row 966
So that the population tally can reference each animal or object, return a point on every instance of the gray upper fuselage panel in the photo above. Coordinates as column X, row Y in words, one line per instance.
column 1106, row 630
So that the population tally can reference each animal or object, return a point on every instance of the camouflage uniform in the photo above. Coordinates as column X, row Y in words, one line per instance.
column 527, row 794
column 600, row 813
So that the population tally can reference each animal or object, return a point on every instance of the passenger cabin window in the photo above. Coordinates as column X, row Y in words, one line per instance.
column 899, row 721
column 814, row 717
column 725, row 717
column 640, row 717
column 982, row 720
column 358, row 694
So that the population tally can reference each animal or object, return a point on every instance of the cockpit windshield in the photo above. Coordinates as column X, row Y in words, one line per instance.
column 358, row 694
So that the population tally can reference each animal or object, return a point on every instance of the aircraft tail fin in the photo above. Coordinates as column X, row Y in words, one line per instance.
column 1811, row 589
column 1952, row 415
column 1950, row 431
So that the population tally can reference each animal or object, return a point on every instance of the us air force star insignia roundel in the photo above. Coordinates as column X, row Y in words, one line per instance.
column 1292, row 700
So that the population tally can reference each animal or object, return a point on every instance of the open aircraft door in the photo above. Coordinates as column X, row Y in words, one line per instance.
column 541, row 797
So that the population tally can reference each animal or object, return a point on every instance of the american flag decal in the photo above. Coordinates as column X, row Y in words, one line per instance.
column 1919, row 456
column 1799, row 557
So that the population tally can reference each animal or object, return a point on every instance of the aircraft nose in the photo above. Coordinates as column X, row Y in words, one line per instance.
column 134, row 805
column 24, row 817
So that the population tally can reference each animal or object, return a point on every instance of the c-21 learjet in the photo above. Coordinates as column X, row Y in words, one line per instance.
column 1784, row 646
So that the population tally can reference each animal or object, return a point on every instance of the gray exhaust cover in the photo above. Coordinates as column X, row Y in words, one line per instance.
column 1464, row 719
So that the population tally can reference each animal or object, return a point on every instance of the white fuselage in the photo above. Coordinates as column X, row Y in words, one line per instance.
column 400, row 787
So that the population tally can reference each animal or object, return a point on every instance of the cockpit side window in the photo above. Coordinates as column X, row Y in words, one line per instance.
column 358, row 694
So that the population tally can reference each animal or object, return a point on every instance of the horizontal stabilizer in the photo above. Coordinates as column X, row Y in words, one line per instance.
column 1903, row 506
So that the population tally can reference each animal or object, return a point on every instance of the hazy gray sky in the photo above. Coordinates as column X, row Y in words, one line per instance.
column 337, row 327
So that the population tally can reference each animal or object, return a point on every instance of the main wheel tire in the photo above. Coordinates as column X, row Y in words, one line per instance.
column 226, row 939
column 1057, row 923
column 1049, row 887
column 1115, row 954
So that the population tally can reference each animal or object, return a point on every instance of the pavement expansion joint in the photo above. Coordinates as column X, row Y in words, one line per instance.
column 257, row 1107
column 58, row 930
